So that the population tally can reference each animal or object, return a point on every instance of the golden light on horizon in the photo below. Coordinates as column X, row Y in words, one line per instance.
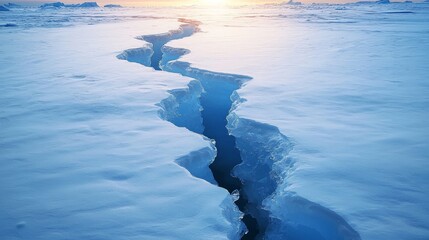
column 213, row 2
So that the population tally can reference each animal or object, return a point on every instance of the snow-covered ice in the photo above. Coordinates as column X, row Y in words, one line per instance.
column 329, row 114
column 84, row 154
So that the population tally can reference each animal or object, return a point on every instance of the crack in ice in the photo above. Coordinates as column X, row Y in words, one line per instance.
column 251, row 157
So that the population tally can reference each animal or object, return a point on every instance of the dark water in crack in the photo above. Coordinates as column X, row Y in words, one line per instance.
column 216, row 103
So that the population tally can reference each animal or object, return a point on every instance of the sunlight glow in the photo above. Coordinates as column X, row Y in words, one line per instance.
column 213, row 2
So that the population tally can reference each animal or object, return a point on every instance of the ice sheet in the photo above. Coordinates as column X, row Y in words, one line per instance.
column 84, row 153
column 338, row 96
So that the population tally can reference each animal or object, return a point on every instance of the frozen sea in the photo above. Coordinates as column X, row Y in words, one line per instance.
column 326, row 109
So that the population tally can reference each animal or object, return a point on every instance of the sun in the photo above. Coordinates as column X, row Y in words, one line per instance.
column 213, row 2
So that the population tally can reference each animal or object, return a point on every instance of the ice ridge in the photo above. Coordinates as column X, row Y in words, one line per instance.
column 57, row 5
column 248, row 158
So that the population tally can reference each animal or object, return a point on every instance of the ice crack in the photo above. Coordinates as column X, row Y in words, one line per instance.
column 252, row 157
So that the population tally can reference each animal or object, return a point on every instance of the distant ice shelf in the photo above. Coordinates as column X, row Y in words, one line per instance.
column 57, row 5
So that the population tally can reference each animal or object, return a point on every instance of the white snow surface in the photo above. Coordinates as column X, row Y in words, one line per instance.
column 84, row 154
